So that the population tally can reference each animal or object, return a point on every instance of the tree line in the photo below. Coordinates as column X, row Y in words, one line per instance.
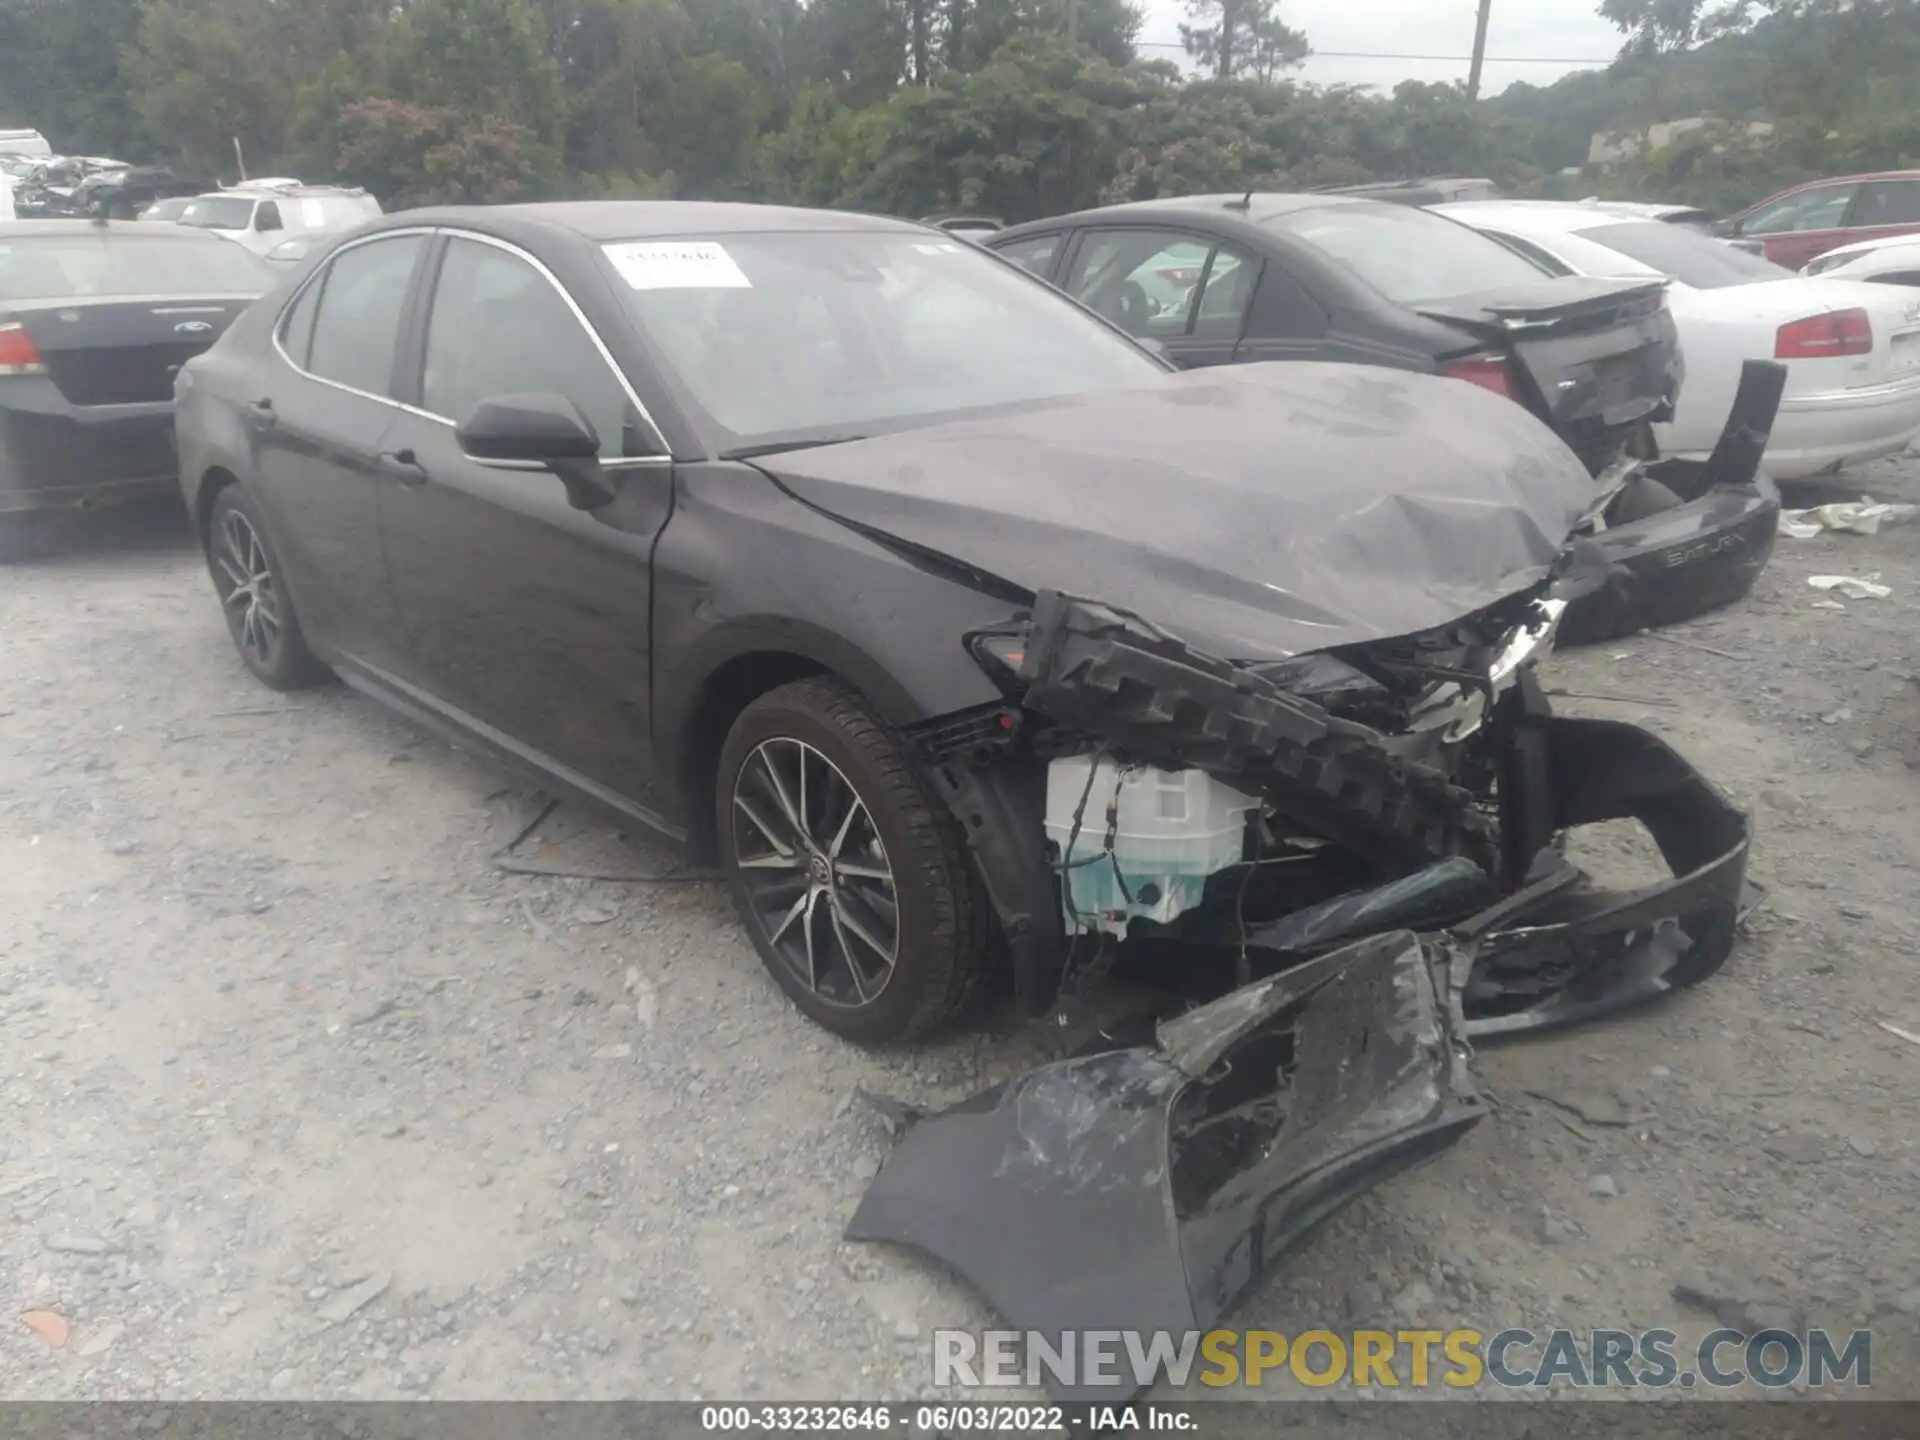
column 1014, row 107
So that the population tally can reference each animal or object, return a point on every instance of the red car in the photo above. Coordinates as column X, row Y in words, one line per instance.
column 1794, row 226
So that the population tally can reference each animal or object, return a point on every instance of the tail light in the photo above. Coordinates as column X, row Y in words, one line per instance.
column 1839, row 332
column 1489, row 372
column 18, row 354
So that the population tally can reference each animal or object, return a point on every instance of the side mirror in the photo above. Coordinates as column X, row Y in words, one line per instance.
column 1725, row 228
column 546, row 432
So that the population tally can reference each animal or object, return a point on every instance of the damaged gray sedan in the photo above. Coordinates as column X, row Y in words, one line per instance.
column 965, row 635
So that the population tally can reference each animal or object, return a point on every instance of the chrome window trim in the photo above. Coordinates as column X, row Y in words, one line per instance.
column 620, row 462
column 280, row 320
column 579, row 315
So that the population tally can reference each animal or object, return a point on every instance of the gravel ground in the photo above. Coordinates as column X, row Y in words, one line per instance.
column 307, row 1099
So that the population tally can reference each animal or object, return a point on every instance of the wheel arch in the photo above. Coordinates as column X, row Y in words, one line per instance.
column 734, row 671
column 216, row 479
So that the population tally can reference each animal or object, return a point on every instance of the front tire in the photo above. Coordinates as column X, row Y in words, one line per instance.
column 254, row 599
column 852, row 880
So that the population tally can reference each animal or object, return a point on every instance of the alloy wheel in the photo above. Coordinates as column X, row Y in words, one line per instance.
column 815, row 872
column 247, row 591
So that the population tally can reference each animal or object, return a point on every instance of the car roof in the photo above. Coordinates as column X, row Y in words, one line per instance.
column 1832, row 180
column 1232, row 207
column 146, row 229
column 289, row 192
column 603, row 220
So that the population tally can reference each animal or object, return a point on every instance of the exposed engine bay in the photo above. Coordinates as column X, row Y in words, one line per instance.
column 1161, row 796
column 1362, row 848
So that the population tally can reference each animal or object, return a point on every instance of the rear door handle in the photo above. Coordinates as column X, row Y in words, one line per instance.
column 260, row 414
column 404, row 466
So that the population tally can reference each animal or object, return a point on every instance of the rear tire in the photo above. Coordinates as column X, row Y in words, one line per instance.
column 253, row 597
column 851, row 878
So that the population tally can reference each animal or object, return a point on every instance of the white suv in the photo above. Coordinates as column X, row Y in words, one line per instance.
column 261, row 217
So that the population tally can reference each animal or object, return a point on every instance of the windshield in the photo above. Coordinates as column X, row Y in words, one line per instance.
column 1691, row 258
column 1407, row 254
column 823, row 334
column 77, row 267
column 219, row 212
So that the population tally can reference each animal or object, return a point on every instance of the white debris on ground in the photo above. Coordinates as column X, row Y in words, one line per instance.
column 1864, row 516
column 1854, row 587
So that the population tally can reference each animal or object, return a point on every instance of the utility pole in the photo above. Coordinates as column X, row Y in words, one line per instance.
column 1479, row 49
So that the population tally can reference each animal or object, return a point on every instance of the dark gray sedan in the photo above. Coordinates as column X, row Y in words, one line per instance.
column 961, row 632
column 1231, row 279
column 96, row 320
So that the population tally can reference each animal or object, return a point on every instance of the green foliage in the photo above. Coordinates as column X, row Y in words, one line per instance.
column 427, row 155
column 60, row 71
column 1017, row 107
column 1246, row 38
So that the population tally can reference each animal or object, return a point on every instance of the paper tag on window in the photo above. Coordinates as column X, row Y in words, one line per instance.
column 677, row 265
column 313, row 214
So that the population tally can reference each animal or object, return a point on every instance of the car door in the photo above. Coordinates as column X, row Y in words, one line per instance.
column 1285, row 321
column 524, row 616
column 1884, row 208
column 1188, row 292
column 1797, row 227
column 317, row 421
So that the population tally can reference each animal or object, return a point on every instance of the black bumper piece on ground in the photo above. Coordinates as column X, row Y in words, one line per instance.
column 1706, row 552
column 1149, row 1188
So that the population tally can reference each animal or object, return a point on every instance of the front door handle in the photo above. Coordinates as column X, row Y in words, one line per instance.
column 404, row 466
column 260, row 415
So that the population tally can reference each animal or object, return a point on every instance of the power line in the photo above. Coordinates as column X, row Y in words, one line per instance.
column 1397, row 55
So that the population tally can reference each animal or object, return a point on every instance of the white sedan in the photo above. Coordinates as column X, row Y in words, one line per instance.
column 1852, row 349
column 1890, row 260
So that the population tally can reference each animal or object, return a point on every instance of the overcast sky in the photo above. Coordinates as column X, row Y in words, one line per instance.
column 1560, row 30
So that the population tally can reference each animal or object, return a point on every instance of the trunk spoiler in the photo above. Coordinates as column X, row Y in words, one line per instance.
column 1568, row 301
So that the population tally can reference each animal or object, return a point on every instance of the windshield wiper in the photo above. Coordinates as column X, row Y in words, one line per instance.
column 776, row 447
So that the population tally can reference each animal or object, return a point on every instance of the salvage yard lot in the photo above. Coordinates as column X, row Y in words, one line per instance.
column 306, row 1097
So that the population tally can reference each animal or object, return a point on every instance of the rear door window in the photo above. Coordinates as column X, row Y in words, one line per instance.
column 1146, row 281
column 356, row 330
column 1887, row 202
column 1819, row 207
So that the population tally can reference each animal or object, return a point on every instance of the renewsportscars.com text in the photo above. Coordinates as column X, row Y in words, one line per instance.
column 1406, row 1359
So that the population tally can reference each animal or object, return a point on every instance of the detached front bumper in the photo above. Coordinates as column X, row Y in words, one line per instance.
column 1562, row 950
column 1148, row 1189
column 1699, row 555
column 1677, row 564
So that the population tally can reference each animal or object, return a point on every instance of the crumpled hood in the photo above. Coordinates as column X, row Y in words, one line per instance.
column 1257, row 511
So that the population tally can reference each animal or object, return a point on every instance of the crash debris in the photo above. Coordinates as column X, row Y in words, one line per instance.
column 1865, row 516
column 1863, row 587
